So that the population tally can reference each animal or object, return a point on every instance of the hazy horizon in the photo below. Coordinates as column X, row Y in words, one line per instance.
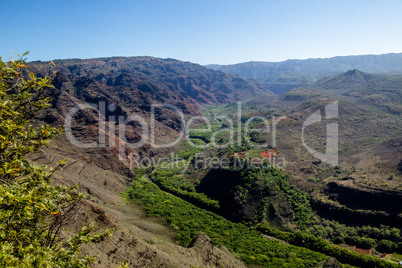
column 208, row 64
column 207, row 32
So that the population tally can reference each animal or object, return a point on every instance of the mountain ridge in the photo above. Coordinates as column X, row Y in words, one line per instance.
column 348, row 57
column 293, row 73
column 172, row 79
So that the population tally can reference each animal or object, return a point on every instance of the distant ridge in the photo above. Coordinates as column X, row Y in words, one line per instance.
column 366, row 63
column 282, row 76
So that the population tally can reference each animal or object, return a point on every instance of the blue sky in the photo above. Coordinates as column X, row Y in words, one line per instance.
column 205, row 32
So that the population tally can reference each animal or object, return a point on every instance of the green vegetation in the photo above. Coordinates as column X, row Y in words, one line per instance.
column 360, row 236
column 361, row 242
column 32, row 210
column 321, row 245
column 244, row 241
column 270, row 180
column 312, row 179
column 386, row 246
column 265, row 186
column 189, row 152
column 170, row 180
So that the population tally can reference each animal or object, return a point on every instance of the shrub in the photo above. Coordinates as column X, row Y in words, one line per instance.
column 32, row 210
column 386, row 246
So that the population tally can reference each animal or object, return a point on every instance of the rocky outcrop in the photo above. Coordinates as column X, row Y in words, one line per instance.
column 213, row 256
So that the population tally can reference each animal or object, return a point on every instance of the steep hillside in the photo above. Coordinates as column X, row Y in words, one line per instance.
column 139, row 81
column 121, row 88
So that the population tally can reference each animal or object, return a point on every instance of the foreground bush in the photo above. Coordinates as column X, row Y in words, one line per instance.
column 32, row 211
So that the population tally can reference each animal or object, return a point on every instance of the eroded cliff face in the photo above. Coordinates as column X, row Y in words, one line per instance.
column 137, row 82
column 365, row 198
column 350, row 203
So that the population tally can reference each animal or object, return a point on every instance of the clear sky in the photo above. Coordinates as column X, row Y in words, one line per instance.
column 203, row 31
